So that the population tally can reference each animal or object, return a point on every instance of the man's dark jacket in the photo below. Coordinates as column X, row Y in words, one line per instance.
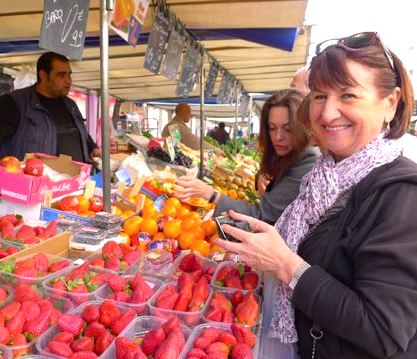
column 366, row 300
column 37, row 131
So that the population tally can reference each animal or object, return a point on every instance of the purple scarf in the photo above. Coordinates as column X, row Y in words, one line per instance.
column 319, row 190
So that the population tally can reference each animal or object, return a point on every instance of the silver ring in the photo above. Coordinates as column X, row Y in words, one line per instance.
column 236, row 258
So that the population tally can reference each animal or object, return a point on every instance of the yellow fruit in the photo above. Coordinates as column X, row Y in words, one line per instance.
column 201, row 246
column 174, row 202
column 149, row 212
column 209, row 227
column 172, row 229
column 149, row 225
column 185, row 240
column 131, row 225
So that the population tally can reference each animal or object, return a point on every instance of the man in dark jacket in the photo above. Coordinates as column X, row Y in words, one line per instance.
column 220, row 134
column 42, row 118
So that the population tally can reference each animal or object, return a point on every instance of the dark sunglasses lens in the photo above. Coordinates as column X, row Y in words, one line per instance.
column 359, row 40
column 325, row 45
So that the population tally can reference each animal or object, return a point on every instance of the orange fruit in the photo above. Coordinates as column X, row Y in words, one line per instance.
column 198, row 233
column 209, row 227
column 149, row 212
column 201, row 246
column 215, row 248
column 147, row 202
column 169, row 210
column 188, row 224
column 172, row 229
column 131, row 225
column 182, row 212
column 84, row 204
column 159, row 236
column 174, row 202
column 185, row 240
column 149, row 226
column 193, row 215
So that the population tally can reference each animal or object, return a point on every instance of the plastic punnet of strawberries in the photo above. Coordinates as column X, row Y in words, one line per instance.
column 196, row 266
column 239, row 276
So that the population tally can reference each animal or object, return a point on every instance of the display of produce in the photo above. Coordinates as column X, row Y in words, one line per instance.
column 230, row 275
column 13, row 229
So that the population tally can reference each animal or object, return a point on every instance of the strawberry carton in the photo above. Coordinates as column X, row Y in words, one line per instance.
column 150, row 336
column 5, row 352
column 231, row 276
column 79, row 284
column 194, row 264
column 221, row 341
column 32, row 268
column 85, row 332
column 27, row 316
column 5, row 294
column 115, row 257
column 233, row 307
column 7, row 248
column 132, row 291
column 27, row 234
column 184, row 299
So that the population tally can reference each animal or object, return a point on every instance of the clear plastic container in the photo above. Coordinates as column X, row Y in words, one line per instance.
column 190, row 319
column 89, row 235
column 129, row 269
column 138, row 328
column 5, row 245
column 6, row 352
column 68, row 225
column 43, row 341
column 63, row 305
column 229, row 295
column 9, row 291
column 106, row 220
column 76, row 298
column 234, row 264
column 157, row 264
column 205, row 264
column 14, row 279
column 197, row 332
column 140, row 308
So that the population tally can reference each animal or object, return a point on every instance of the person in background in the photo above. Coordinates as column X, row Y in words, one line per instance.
column 42, row 118
column 341, row 258
column 183, row 116
column 220, row 134
column 300, row 79
column 286, row 158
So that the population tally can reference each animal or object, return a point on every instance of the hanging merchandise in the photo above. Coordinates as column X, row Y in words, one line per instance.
column 157, row 41
column 211, row 80
column 221, row 95
column 190, row 70
column 173, row 54
column 6, row 83
column 244, row 105
column 229, row 95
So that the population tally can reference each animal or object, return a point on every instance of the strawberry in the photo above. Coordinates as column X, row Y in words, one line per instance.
column 78, row 273
column 250, row 280
column 4, row 335
column 3, row 294
column 185, row 285
column 227, row 338
column 83, row 344
column 64, row 337
column 94, row 329
column 41, row 263
column 34, row 328
column 98, row 262
column 190, row 263
column 167, row 291
column 59, row 284
column 55, row 315
column 232, row 281
column 196, row 275
column 122, row 297
column 169, row 348
column 98, row 279
column 236, row 298
column 57, row 266
column 25, row 292
column 243, row 335
column 219, row 348
column 152, row 340
column 102, row 342
column 83, row 355
column 200, row 293
column 116, row 282
column 141, row 289
column 222, row 273
column 111, row 249
column 26, row 272
column 30, row 309
column 220, row 301
column 167, row 302
column 90, row 313
column 114, row 264
column 71, row 323
column 45, row 306
column 108, row 313
column 10, row 310
column 247, row 311
column 227, row 317
column 60, row 348
column 119, row 324
column 17, row 339
column 242, row 351
column 170, row 325
column 131, row 257
column 196, row 353
column 124, row 346
column 182, row 303
column 214, row 314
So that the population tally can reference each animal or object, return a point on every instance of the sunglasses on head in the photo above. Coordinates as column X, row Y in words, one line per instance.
column 356, row 41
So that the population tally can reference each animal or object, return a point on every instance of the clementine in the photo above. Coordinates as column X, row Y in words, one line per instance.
column 169, row 210
column 174, row 202
column 149, row 225
column 209, row 227
column 186, row 239
column 172, row 229
column 158, row 236
column 131, row 226
column 201, row 246
column 198, row 233
column 149, row 212
column 188, row 224
column 182, row 212
column 84, row 204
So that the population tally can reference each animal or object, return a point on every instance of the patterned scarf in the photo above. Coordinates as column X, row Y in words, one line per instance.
column 319, row 190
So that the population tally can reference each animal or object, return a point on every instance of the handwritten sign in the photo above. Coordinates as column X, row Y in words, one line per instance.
column 173, row 55
column 221, row 95
column 211, row 80
column 156, row 43
column 63, row 26
column 189, row 71
column 244, row 105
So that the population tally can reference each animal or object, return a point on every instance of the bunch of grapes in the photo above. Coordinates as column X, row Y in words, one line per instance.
column 159, row 153
column 182, row 159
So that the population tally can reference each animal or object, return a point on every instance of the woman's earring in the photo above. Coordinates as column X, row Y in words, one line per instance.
column 387, row 122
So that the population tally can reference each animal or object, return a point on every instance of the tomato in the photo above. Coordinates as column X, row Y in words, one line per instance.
column 69, row 203
column 96, row 204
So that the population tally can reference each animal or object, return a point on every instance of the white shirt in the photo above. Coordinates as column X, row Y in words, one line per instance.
column 409, row 145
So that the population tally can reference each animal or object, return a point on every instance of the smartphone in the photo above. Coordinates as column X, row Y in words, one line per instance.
column 225, row 219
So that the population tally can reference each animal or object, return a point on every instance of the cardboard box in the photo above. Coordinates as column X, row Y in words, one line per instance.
column 30, row 190
column 27, row 211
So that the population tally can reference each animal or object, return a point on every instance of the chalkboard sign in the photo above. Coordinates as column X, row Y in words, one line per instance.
column 173, row 55
column 190, row 70
column 221, row 95
column 229, row 93
column 63, row 26
column 211, row 80
column 244, row 105
column 156, row 43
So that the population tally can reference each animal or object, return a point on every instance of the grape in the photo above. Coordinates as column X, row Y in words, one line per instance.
column 159, row 153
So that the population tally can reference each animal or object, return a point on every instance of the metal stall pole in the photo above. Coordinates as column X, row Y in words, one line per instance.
column 105, row 5
column 201, row 166
column 236, row 115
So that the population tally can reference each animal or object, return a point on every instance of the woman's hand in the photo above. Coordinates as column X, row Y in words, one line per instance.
column 264, row 250
column 187, row 187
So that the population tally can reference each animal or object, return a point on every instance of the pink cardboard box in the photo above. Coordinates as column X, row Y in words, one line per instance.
column 29, row 190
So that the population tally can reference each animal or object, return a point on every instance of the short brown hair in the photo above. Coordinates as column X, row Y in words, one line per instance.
column 272, row 165
column 329, row 69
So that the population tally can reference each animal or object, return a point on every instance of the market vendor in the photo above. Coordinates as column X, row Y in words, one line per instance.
column 42, row 118
column 183, row 116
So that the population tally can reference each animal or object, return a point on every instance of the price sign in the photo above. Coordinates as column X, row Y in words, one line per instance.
column 173, row 55
column 211, row 80
column 189, row 71
column 63, row 26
